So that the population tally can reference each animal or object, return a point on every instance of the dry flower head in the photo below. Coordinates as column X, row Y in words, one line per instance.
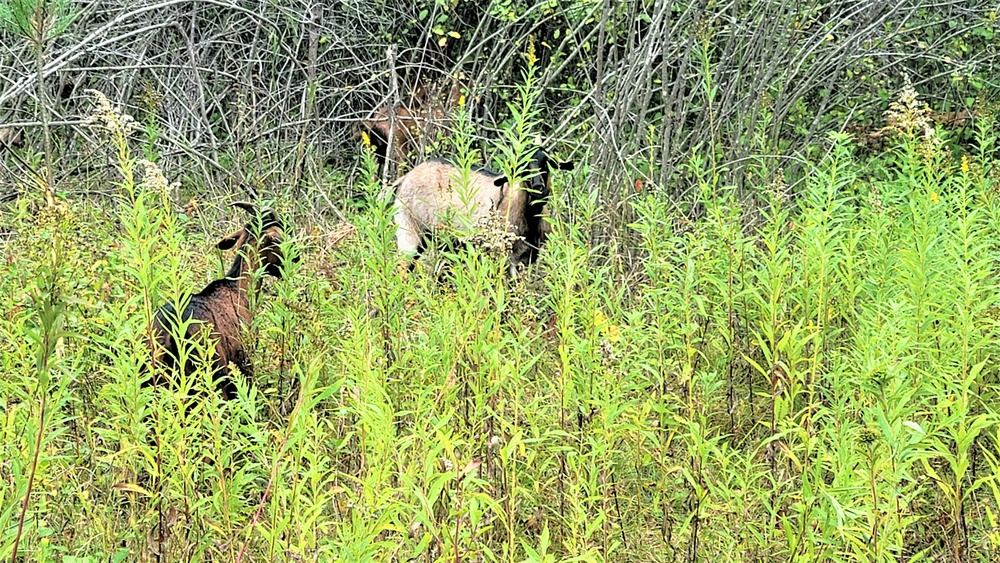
column 493, row 234
column 110, row 119
column 909, row 116
column 153, row 179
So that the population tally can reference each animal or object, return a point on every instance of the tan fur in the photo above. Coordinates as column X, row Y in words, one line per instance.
column 433, row 190
column 13, row 138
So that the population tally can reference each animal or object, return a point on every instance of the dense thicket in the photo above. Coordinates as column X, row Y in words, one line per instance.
column 267, row 92
column 746, row 338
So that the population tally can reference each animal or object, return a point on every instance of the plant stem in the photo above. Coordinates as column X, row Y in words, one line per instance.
column 31, row 476
column 42, row 21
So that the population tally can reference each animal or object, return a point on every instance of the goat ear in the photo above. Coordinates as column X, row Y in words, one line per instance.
column 499, row 182
column 230, row 241
column 246, row 206
column 565, row 166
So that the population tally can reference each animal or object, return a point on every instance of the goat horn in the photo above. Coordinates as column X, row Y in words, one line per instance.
column 246, row 206
column 269, row 218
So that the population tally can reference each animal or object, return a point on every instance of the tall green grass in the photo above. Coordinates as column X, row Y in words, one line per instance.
column 804, row 376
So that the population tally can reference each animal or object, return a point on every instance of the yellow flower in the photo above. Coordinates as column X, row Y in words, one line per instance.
column 600, row 321
column 461, row 101
column 965, row 163
column 613, row 333
column 603, row 326
column 934, row 198
column 530, row 55
column 365, row 140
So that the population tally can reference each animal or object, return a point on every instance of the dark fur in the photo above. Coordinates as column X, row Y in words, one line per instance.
column 539, row 186
column 222, row 308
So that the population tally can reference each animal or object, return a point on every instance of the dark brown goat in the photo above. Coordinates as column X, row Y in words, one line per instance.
column 224, row 305
column 416, row 122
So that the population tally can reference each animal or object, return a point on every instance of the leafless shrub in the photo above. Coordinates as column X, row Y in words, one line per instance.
column 266, row 93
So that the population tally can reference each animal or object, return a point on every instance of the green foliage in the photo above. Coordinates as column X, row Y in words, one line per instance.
column 36, row 20
column 802, row 376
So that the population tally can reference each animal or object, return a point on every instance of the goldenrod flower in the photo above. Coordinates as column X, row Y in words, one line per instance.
column 600, row 321
column 365, row 140
column 934, row 198
column 965, row 163
column 613, row 333
column 603, row 326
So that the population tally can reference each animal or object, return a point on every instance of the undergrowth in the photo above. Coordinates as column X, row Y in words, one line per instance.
column 792, row 378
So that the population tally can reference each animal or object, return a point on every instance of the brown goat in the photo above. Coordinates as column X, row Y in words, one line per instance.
column 417, row 121
column 407, row 131
column 224, row 305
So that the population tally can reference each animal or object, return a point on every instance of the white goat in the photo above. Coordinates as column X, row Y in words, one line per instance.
column 433, row 191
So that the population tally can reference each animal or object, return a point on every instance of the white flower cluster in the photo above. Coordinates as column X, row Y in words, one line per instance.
column 493, row 234
column 110, row 119
column 910, row 116
column 153, row 179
